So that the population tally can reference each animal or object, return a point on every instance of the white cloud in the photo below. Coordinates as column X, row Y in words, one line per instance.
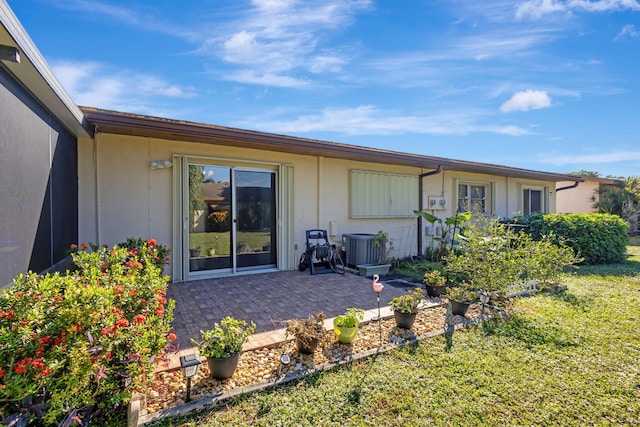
column 538, row 8
column 613, row 157
column 283, row 37
column 527, row 100
column 370, row 120
column 266, row 79
column 141, row 19
column 514, row 131
column 628, row 31
column 97, row 85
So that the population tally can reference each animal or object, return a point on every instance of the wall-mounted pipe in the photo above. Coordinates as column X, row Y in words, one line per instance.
column 420, row 204
column 574, row 185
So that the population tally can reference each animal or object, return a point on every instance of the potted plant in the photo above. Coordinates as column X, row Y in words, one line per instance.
column 405, row 308
column 461, row 298
column 434, row 283
column 194, row 252
column 383, row 247
column 346, row 325
column 308, row 332
column 222, row 344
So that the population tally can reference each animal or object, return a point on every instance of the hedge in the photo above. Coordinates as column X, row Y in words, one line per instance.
column 598, row 238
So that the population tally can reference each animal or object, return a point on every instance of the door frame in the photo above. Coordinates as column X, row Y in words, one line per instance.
column 283, row 205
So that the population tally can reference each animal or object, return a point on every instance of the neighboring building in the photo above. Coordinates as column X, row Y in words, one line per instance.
column 226, row 201
column 581, row 198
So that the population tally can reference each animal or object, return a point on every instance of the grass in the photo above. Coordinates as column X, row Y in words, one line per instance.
column 569, row 359
column 220, row 241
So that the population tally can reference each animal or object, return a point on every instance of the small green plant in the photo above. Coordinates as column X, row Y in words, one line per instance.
column 307, row 330
column 434, row 278
column 385, row 246
column 462, row 293
column 350, row 319
column 407, row 303
column 225, row 338
column 449, row 226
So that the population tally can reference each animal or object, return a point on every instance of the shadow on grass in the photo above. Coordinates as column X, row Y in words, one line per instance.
column 355, row 394
column 528, row 332
column 581, row 303
column 627, row 268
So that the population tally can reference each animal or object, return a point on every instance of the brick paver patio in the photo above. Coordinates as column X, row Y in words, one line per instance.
column 269, row 299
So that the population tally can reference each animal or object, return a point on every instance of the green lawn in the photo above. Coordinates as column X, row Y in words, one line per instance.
column 569, row 359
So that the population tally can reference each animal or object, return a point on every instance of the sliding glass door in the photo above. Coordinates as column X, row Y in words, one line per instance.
column 232, row 219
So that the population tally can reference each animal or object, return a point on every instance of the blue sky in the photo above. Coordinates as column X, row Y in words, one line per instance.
column 549, row 85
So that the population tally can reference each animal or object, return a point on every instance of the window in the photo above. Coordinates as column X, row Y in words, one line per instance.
column 472, row 197
column 532, row 201
column 383, row 195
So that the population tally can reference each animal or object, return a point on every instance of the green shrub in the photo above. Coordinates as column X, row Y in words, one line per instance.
column 597, row 238
column 225, row 338
column 495, row 256
column 158, row 254
column 74, row 346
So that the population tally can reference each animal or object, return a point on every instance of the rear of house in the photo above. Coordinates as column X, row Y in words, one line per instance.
column 231, row 201
column 226, row 201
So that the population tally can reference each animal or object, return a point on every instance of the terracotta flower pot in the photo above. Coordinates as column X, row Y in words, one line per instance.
column 224, row 367
column 404, row 320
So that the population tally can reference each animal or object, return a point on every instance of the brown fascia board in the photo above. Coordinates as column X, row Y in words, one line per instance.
column 119, row 123
column 603, row 181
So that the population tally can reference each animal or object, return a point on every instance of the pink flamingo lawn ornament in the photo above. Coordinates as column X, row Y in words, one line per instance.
column 377, row 288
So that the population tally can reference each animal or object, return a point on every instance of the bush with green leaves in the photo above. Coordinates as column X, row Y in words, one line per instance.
column 350, row 319
column 74, row 346
column 158, row 254
column 597, row 238
column 407, row 303
column 495, row 256
column 225, row 338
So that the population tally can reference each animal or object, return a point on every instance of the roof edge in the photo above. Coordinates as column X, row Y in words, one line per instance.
column 72, row 117
column 116, row 122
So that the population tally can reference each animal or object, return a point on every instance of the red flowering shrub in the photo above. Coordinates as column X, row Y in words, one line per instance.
column 74, row 346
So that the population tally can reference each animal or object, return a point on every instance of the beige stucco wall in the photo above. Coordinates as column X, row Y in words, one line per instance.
column 506, row 197
column 121, row 196
column 577, row 200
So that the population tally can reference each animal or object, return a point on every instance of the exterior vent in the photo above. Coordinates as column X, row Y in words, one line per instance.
column 359, row 249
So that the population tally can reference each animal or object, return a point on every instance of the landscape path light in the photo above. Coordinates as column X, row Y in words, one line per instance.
column 189, row 364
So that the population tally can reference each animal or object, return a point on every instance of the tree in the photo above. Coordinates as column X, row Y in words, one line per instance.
column 622, row 200
column 583, row 172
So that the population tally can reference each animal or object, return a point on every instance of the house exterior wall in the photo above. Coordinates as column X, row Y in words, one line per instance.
column 121, row 196
column 506, row 193
column 577, row 200
column 38, row 184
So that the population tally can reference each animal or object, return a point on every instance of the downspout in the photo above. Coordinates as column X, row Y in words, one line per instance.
column 574, row 185
column 97, row 184
column 421, row 206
